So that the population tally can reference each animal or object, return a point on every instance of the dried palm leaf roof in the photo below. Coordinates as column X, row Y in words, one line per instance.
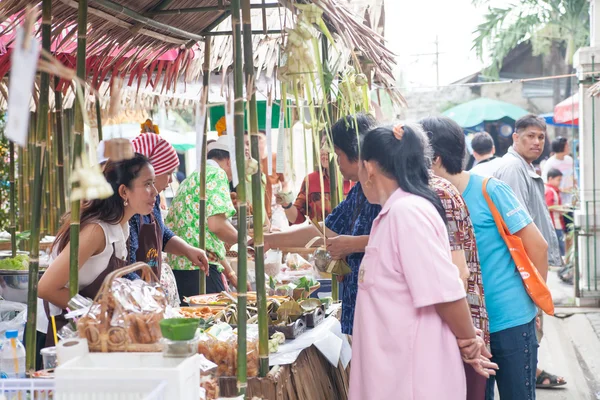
column 119, row 45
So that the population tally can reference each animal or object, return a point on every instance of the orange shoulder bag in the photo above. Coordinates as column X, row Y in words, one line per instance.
column 533, row 281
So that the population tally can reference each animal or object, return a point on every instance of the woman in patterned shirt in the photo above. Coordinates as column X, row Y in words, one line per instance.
column 309, row 202
column 466, row 258
column 349, row 224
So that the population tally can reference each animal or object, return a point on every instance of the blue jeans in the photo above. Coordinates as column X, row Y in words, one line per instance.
column 515, row 351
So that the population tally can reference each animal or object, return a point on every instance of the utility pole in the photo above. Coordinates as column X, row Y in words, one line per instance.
column 437, row 61
column 436, row 54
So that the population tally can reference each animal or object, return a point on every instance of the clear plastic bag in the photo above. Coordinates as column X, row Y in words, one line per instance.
column 133, row 310
column 13, row 317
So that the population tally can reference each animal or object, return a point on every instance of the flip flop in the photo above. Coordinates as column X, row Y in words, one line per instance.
column 554, row 380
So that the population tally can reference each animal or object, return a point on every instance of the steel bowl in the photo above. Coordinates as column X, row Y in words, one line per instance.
column 14, row 285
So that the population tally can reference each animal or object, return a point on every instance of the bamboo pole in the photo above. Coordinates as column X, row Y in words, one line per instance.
column 98, row 117
column 241, row 195
column 21, row 157
column 58, row 142
column 257, row 197
column 202, row 233
column 77, row 148
column 11, row 180
column 333, row 175
column 36, row 198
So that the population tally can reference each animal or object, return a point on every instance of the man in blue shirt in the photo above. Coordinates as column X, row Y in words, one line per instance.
column 349, row 224
column 512, row 313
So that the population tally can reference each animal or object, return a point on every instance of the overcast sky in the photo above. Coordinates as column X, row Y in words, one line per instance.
column 411, row 28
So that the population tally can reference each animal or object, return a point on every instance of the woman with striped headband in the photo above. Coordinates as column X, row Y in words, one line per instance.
column 149, row 237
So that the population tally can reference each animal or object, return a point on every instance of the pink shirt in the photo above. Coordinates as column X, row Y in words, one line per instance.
column 401, row 347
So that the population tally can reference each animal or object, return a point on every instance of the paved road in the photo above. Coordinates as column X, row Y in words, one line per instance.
column 571, row 347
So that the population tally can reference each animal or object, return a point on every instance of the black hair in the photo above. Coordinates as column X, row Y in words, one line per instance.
column 553, row 173
column 528, row 121
column 112, row 209
column 559, row 144
column 482, row 143
column 218, row 154
column 344, row 133
column 447, row 141
column 405, row 160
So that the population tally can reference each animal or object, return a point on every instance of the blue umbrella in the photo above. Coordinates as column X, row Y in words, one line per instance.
column 478, row 111
column 549, row 118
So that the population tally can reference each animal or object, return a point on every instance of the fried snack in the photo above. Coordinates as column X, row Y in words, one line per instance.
column 117, row 336
column 152, row 320
column 144, row 336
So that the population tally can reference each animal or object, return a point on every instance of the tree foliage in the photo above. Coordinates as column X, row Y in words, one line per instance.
column 544, row 22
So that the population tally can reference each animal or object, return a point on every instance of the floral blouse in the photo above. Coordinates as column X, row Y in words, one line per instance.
column 309, row 202
column 462, row 237
column 184, row 214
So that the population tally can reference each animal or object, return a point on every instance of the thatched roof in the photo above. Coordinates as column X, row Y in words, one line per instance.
column 119, row 45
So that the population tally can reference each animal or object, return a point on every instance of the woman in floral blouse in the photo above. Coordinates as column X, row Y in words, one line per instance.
column 183, row 219
column 461, row 235
column 309, row 202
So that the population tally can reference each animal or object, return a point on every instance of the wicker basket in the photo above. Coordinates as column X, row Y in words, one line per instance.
column 102, row 337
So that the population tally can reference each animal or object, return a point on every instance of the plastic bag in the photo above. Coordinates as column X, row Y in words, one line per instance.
column 13, row 316
column 134, row 311
column 273, row 262
column 219, row 345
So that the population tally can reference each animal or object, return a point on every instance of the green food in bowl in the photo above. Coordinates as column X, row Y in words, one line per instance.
column 179, row 328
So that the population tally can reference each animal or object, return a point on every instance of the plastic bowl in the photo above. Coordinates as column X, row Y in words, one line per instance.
column 179, row 328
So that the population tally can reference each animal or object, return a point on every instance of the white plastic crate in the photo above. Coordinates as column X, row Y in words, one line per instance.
column 24, row 389
column 122, row 370
column 49, row 389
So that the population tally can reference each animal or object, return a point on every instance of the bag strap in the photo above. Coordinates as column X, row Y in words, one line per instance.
column 502, row 228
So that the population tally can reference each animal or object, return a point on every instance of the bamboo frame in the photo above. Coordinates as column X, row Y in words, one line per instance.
column 58, row 142
column 257, row 196
column 202, row 219
column 129, row 13
column 177, row 11
column 12, row 199
column 333, row 175
column 39, row 148
column 241, row 196
column 77, row 148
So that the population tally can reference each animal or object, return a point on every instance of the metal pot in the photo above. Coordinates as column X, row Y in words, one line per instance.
column 14, row 285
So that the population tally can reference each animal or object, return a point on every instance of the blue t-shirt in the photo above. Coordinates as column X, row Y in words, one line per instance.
column 353, row 216
column 508, row 304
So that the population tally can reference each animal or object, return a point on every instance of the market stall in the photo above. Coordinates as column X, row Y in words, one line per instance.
column 268, row 343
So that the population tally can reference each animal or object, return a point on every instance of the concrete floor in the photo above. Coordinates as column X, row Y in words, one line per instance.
column 570, row 347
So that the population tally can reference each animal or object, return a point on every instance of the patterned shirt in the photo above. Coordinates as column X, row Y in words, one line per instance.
column 353, row 216
column 184, row 213
column 134, row 230
column 310, row 204
column 462, row 237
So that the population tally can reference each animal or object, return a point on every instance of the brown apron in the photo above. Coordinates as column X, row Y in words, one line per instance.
column 89, row 291
column 150, row 242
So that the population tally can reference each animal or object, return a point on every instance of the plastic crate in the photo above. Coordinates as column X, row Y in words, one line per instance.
column 49, row 389
column 122, row 370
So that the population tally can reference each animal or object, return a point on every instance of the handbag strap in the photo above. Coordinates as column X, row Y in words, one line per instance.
column 502, row 228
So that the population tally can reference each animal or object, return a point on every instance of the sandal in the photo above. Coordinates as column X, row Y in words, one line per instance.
column 553, row 380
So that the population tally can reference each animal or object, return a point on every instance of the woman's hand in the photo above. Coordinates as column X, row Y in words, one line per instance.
column 340, row 247
column 198, row 258
column 475, row 353
column 483, row 366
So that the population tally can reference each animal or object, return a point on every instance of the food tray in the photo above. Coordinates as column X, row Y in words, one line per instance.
column 315, row 317
column 291, row 331
column 202, row 300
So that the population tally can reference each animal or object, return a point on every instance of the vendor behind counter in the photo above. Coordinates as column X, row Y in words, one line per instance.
column 183, row 219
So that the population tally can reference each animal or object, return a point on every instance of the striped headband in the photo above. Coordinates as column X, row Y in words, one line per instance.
column 162, row 155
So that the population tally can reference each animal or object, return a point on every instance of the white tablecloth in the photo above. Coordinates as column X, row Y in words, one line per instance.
column 327, row 337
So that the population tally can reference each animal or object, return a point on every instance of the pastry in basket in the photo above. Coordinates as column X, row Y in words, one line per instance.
column 127, row 314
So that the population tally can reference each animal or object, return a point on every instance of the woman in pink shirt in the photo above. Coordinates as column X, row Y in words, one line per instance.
column 412, row 322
